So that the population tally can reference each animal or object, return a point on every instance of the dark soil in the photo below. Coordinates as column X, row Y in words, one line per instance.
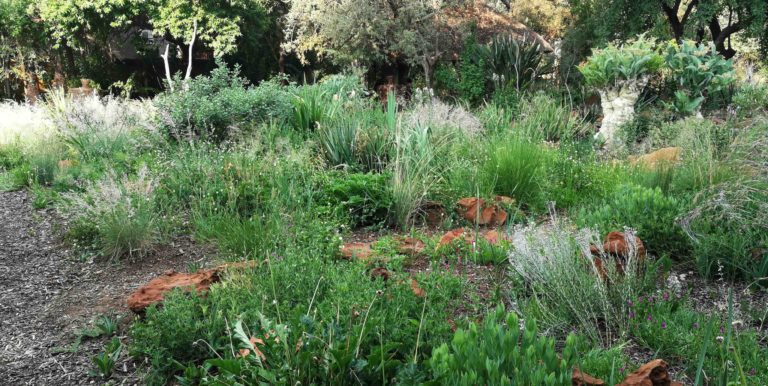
column 48, row 298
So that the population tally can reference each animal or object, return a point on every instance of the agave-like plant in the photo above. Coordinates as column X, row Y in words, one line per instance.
column 516, row 63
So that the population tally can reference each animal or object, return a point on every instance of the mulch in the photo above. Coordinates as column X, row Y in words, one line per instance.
column 48, row 296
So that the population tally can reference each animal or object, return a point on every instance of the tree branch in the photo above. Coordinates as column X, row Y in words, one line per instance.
column 191, row 44
column 167, row 67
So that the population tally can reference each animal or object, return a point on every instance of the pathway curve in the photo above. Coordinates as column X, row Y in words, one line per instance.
column 47, row 296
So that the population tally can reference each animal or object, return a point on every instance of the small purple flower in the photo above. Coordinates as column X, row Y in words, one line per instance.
column 666, row 295
column 722, row 329
column 650, row 318
column 663, row 325
column 631, row 314
column 752, row 372
column 650, row 299
column 640, row 299
column 695, row 325
column 629, row 302
column 622, row 369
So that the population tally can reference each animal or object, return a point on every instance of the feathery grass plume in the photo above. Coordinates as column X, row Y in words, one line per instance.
column 121, row 209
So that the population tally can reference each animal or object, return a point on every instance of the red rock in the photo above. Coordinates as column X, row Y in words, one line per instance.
column 616, row 244
column 582, row 379
column 360, row 251
column 449, row 236
column 653, row 373
column 154, row 291
column 410, row 246
column 477, row 211
column 494, row 237
column 418, row 291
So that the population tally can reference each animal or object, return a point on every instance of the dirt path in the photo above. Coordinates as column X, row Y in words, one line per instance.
column 47, row 297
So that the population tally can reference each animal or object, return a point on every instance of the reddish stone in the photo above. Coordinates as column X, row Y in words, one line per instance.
column 200, row 281
column 616, row 244
column 360, row 251
column 582, row 379
column 477, row 211
column 494, row 237
column 418, row 291
column 449, row 236
column 653, row 373
column 154, row 291
column 410, row 246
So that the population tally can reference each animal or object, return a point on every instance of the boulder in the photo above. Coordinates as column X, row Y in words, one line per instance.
column 582, row 379
column 478, row 211
column 615, row 245
column 360, row 251
column 451, row 235
column 661, row 157
column 492, row 236
column 200, row 281
column 410, row 246
column 653, row 373
column 154, row 291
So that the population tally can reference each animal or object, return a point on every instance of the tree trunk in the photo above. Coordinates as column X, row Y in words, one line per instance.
column 618, row 105
column 31, row 90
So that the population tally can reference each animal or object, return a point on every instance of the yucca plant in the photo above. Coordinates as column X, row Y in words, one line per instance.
column 516, row 63
column 339, row 139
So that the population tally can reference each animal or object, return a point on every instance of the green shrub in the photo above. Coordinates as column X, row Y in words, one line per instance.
column 649, row 212
column 216, row 106
column 515, row 64
column 751, row 99
column 574, row 176
column 499, row 353
column 473, row 78
column 363, row 198
column 343, row 327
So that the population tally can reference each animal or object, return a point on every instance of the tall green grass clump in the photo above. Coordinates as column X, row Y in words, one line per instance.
column 514, row 167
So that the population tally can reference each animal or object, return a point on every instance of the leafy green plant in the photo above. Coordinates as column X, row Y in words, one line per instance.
column 339, row 142
column 363, row 198
column 105, row 361
column 696, row 69
column 218, row 106
column 499, row 353
column 615, row 64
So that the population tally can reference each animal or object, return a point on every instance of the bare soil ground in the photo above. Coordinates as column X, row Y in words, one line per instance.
column 48, row 296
